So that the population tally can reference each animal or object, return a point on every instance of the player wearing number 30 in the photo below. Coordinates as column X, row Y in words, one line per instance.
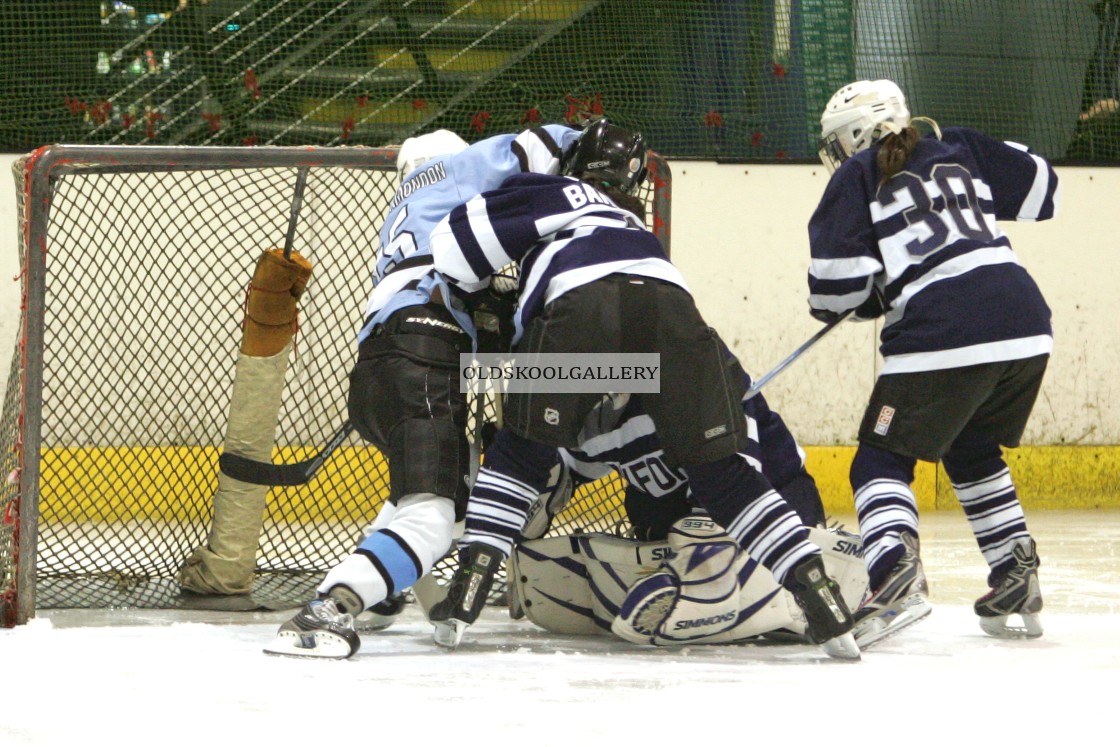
column 907, row 230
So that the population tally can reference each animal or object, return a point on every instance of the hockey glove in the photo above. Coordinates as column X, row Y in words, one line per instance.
column 873, row 308
column 826, row 316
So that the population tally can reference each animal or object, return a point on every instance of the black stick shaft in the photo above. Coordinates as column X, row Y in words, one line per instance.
column 297, row 201
column 757, row 386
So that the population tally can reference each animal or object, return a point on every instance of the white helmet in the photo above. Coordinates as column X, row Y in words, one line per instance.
column 416, row 151
column 858, row 116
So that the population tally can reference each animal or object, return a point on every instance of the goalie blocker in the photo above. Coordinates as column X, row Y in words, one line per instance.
column 695, row 587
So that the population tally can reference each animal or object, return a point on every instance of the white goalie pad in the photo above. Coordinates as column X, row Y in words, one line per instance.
column 557, row 495
column 697, row 588
column 843, row 559
column 575, row 585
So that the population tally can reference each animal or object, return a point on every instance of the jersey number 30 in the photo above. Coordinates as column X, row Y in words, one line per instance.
column 962, row 209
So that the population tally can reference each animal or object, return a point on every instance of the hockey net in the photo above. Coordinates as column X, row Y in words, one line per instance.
column 135, row 262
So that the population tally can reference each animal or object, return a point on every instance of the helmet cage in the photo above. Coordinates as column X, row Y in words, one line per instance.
column 835, row 148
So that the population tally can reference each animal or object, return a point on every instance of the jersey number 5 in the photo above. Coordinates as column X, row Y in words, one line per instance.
column 402, row 244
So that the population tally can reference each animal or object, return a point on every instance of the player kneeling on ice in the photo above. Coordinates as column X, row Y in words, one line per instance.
column 685, row 580
column 695, row 586
column 907, row 230
column 594, row 279
column 676, row 577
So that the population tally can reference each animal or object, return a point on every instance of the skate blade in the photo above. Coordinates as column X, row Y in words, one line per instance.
column 842, row 647
column 873, row 629
column 449, row 633
column 371, row 622
column 997, row 627
column 318, row 645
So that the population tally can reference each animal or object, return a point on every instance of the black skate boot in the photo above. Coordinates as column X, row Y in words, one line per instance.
column 319, row 630
column 466, row 594
column 900, row 601
column 1016, row 593
column 829, row 623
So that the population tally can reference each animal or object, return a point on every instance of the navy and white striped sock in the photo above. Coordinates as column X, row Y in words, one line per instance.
column 995, row 515
column 742, row 501
column 498, row 510
column 514, row 472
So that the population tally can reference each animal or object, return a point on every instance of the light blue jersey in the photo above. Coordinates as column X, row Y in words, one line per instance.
column 402, row 276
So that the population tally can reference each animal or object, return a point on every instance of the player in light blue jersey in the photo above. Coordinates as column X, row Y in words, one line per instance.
column 430, row 188
column 907, row 230
column 593, row 279
column 404, row 395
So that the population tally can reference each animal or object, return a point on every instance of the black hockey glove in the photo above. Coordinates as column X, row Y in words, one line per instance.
column 874, row 307
column 826, row 316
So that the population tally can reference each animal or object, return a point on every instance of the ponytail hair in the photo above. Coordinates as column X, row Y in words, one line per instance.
column 894, row 152
column 896, row 147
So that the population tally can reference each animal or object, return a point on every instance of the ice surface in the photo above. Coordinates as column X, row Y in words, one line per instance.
column 145, row 677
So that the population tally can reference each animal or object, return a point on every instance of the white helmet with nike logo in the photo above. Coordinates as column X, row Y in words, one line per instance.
column 858, row 116
column 417, row 151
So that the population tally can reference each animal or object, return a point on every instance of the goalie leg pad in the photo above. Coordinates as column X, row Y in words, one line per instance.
column 549, row 503
column 843, row 559
column 646, row 608
column 724, row 596
column 576, row 585
column 548, row 584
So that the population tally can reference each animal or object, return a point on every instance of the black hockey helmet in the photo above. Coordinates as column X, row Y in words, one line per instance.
column 607, row 155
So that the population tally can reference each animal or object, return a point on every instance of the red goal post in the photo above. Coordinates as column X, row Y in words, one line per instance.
column 134, row 265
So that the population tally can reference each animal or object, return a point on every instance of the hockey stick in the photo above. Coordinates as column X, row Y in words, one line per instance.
column 757, row 386
column 297, row 202
column 269, row 473
column 266, row 473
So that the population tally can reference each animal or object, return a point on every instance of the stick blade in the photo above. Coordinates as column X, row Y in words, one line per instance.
column 264, row 473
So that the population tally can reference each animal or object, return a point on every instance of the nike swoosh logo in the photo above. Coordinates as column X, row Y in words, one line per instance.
column 849, row 99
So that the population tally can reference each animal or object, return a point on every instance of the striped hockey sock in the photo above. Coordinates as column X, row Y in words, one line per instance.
column 498, row 510
column 995, row 516
column 765, row 526
column 886, row 509
column 514, row 473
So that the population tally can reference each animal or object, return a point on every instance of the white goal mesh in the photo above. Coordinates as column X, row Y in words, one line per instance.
column 135, row 262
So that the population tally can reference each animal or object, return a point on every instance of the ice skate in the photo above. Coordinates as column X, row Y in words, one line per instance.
column 901, row 600
column 381, row 615
column 829, row 623
column 1016, row 593
column 466, row 594
column 318, row 631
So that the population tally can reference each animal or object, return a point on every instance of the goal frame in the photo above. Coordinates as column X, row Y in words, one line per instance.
column 38, row 172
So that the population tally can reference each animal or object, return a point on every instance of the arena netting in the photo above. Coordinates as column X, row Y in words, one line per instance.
column 135, row 264
column 713, row 79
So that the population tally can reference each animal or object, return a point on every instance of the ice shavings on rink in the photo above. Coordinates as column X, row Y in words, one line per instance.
column 130, row 677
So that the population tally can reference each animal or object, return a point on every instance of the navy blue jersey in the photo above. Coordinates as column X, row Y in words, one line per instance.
column 428, row 195
column 929, row 241
column 561, row 232
column 624, row 440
